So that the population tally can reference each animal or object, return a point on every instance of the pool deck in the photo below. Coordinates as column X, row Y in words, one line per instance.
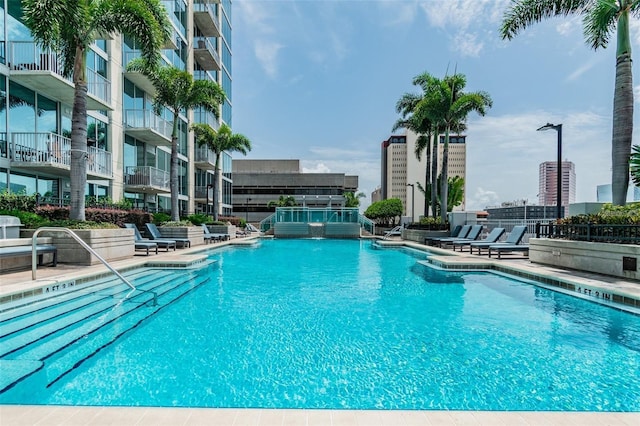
column 15, row 285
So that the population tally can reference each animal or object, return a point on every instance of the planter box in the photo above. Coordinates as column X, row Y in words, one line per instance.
column 223, row 229
column 111, row 244
column 617, row 260
column 418, row 235
column 195, row 234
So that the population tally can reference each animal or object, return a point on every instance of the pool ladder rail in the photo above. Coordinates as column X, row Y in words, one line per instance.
column 34, row 256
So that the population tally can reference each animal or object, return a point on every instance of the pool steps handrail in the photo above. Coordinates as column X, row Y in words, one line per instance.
column 34, row 242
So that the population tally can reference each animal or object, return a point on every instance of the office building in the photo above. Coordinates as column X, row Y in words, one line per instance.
column 400, row 167
column 548, row 183
column 129, row 145
column 258, row 182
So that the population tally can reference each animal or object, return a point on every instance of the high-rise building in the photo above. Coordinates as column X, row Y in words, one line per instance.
column 129, row 145
column 548, row 184
column 400, row 167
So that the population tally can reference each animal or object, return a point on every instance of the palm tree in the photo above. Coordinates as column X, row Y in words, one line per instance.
column 447, row 105
column 353, row 200
column 68, row 27
column 283, row 201
column 423, row 127
column 600, row 19
column 178, row 91
column 219, row 142
column 635, row 165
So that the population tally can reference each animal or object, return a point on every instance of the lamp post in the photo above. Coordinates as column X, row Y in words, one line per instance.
column 413, row 188
column 246, row 210
column 558, row 129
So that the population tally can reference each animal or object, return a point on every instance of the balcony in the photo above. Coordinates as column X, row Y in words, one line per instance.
column 137, row 78
column 146, row 180
column 51, row 153
column 41, row 70
column 205, row 17
column 147, row 127
column 206, row 54
column 204, row 194
column 205, row 159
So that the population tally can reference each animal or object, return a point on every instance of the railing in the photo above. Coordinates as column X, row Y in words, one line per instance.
column 52, row 148
column 209, row 8
column 267, row 222
column 205, row 43
column 147, row 119
column 316, row 215
column 508, row 224
column 146, row 176
column 205, row 155
column 621, row 234
column 28, row 56
column 34, row 257
column 367, row 224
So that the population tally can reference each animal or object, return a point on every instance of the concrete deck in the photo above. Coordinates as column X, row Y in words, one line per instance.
column 19, row 282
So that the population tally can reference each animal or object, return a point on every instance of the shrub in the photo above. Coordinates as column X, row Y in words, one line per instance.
column 231, row 219
column 609, row 215
column 159, row 218
column 177, row 224
column 17, row 201
column 198, row 219
column 28, row 219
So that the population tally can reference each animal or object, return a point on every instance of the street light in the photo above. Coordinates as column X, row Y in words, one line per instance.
column 413, row 188
column 246, row 210
column 557, row 128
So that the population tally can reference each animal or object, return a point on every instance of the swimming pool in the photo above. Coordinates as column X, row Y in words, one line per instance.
column 342, row 324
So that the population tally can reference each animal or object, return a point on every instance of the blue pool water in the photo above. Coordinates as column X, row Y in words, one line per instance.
column 342, row 324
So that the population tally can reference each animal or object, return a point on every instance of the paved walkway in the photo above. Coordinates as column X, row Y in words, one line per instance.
column 20, row 283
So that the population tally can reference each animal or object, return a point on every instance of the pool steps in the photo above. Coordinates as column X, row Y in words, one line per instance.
column 71, row 331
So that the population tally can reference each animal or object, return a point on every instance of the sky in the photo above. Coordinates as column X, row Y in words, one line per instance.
column 318, row 81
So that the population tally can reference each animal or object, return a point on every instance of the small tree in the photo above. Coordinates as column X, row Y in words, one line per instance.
column 385, row 212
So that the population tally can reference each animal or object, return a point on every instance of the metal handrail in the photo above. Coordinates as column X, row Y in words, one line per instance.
column 34, row 254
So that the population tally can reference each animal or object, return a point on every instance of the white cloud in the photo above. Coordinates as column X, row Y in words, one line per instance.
column 314, row 167
column 267, row 54
column 467, row 44
column 481, row 199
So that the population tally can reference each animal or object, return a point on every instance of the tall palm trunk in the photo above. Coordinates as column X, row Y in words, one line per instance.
column 174, row 184
column 444, row 193
column 427, row 172
column 434, row 171
column 622, row 114
column 79, row 138
column 216, row 179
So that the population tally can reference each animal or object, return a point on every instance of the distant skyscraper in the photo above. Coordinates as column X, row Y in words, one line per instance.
column 548, row 186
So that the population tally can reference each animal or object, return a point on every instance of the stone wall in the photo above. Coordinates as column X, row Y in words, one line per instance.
column 601, row 258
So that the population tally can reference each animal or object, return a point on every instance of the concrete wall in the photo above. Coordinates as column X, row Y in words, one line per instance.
column 602, row 258
column 111, row 244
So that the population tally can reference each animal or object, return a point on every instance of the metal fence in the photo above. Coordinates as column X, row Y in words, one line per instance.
column 621, row 234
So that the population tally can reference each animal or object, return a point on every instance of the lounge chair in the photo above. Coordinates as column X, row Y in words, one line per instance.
column 458, row 232
column 165, row 244
column 492, row 238
column 472, row 235
column 500, row 248
column 514, row 238
column 208, row 236
column 395, row 231
column 155, row 234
